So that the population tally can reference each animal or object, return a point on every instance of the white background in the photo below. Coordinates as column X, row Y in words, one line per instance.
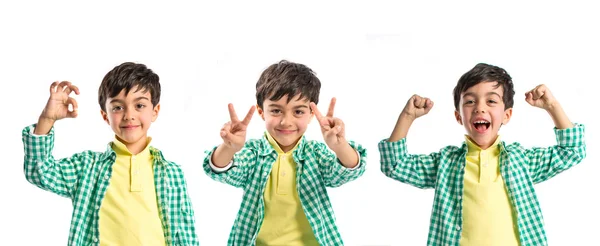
column 371, row 56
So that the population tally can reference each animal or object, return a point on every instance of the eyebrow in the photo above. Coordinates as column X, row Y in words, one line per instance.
column 115, row 100
column 487, row 94
column 279, row 106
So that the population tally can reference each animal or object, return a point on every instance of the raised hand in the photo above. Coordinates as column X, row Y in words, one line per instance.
column 417, row 106
column 332, row 128
column 58, row 104
column 540, row 97
column 233, row 132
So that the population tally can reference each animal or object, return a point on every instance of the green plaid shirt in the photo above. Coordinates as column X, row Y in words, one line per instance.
column 84, row 178
column 520, row 168
column 317, row 168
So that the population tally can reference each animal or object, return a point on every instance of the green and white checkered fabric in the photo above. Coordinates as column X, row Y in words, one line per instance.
column 317, row 168
column 520, row 168
column 84, row 178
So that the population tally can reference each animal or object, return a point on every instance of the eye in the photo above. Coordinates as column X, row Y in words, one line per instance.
column 492, row 101
column 117, row 108
column 299, row 112
column 467, row 102
column 275, row 111
column 140, row 106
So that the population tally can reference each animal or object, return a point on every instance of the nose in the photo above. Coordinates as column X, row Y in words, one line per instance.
column 286, row 120
column 128, row 114
column 480, row 108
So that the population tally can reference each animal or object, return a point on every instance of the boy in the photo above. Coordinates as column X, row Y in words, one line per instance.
column 484, row 189
column 127, row 195
column 284, row 176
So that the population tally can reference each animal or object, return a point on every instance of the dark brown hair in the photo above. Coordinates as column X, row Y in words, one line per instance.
column 125, row 77
column 486, row 73
column 287, row 78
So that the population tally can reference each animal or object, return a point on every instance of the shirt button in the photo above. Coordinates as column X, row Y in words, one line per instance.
column 106, row 177
column 95, row 239
column 133, row 157
column 459, row 197
column 485, row 164
column 135, row 172
column 458, row 228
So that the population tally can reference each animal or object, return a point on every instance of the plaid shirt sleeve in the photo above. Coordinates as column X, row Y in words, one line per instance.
column 41, row 169
column 243, row 163
column 334, row 173
column 545, row 163
column 416, row 170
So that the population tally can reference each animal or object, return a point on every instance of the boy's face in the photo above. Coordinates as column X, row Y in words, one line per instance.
column 130, row 116
column 286, row 122
column 482, row 113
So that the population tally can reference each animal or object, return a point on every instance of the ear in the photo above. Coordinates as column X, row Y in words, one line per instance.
column 260, row 111
column 155, row 111
column 104, row 116
column 507, row 115
column 457, row 116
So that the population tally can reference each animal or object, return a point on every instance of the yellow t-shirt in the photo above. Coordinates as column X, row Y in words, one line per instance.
column 129, row 211
column 285, row 222
column 488, row 217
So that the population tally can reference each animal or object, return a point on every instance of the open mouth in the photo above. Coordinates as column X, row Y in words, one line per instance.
column 481, row 125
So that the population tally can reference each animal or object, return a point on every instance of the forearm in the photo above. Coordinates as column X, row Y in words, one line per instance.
column 558, row 115
column 401, row 129
column 43, row 126
column 347, row 156
column 222, row 156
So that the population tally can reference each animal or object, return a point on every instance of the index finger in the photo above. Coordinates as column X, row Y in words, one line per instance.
column 315, row 110
column 249, row 115
column 331, row 107
column 232, row 114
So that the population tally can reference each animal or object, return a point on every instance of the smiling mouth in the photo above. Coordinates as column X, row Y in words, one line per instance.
column 481, row 125
column 129, row 127
column 286, row 131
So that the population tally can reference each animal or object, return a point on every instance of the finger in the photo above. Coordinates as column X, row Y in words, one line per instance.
column 428, row 105
column 75, row 89
column 331, row 107
column 337, row 122
column 416, row 101
column 248, row 117
column 64, row 86
column 316, row 111
column 232, row 114
column 338, row 126
column 227, row 137
column 225, row 129
column 529, row 97
column 538, row 93
column 72, row 113
column 53, row 87
column 420, row 102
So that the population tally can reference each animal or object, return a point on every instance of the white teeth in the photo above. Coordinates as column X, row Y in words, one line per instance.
column 481, row 122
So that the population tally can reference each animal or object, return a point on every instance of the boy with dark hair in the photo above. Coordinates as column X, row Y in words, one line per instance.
column 484, row 188
column 284, row 176
column 127, row 195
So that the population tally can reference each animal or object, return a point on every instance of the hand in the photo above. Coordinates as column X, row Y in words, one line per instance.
column 541, row 97
column 57, row 106
column 332, row 128
column 417, row 106
column 233, row 132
